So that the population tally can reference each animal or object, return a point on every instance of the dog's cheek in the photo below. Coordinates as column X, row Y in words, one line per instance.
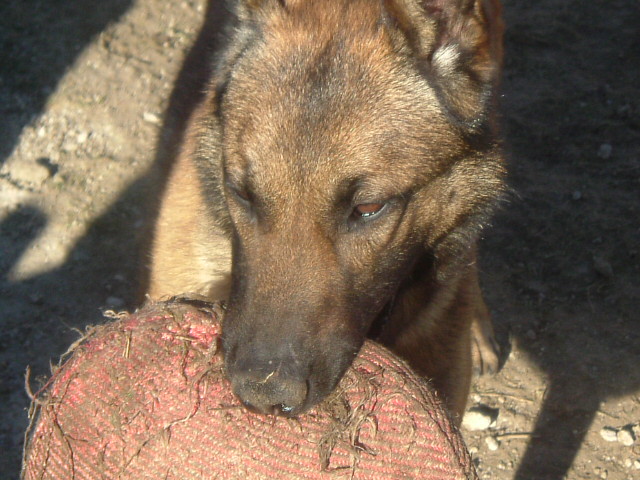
column 374, row 273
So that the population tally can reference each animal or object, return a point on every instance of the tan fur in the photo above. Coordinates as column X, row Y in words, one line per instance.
column 288, row 144
column 188, row 254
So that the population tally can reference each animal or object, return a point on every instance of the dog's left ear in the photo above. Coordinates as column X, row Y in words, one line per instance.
column 459, row 44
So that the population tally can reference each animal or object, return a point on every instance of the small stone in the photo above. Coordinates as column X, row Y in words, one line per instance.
column 609, row 434
column 29, row 172
column 69, row 144
column 636, row 464
column 531, row 334
column 577, row 195
column 602, row 266
column 151, row 118
column 605, row 151
column 624, row 110
column 625, row 436
column 36, row 299
column 114, row 302
column 492, row 443
column 537, row 287
column 82, row 137
column 479, row 417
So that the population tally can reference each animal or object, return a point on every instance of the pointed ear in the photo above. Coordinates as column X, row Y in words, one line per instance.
column 246, row 9
column 459, row 47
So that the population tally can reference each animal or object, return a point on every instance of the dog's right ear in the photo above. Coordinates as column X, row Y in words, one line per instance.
column 458, row 44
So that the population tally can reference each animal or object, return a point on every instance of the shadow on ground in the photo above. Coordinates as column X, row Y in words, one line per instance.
column 110, row 259
column 39, row 41
column 565, row 253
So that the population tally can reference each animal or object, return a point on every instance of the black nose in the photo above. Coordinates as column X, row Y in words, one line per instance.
column 270, row 391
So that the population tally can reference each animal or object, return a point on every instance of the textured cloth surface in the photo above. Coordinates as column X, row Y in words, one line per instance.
column 144, row 396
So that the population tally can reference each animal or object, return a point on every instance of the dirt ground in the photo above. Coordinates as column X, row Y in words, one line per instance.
column 83, row 88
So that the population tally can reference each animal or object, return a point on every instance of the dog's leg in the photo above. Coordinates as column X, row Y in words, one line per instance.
column 189, row 254
column 485, row 349
column 431, row 330
column 436, row 327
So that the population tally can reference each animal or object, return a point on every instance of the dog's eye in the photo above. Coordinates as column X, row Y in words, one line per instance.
column 241, row 194
column 367, row 210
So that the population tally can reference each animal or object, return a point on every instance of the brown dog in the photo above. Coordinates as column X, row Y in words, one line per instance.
column 332, row 183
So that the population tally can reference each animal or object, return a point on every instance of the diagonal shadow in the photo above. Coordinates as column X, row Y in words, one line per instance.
column 108, row 261
column 42, row 315
column 39, row 40
column 567, row 250
column 187, row 92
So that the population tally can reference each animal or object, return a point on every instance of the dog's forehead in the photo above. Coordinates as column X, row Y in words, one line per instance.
column 313, row 65
column 324, row 93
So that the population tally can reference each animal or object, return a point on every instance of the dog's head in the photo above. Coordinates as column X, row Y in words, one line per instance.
column 355, row 136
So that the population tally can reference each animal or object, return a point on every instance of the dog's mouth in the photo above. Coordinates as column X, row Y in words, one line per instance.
column 287, row 384
column 288, row 369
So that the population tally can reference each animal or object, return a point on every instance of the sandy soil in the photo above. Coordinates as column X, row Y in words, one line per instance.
column 83, row 88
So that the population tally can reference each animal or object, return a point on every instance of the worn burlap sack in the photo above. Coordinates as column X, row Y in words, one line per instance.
column 144, row 396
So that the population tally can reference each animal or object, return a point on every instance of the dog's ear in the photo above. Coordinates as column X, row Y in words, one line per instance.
column 459, row 47
column 246, row 9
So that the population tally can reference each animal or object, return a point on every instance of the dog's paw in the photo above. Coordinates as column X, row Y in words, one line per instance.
column 485, row 350
column 486, row 356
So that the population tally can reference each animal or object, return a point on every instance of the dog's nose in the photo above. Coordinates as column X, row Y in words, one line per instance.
column 270, row 392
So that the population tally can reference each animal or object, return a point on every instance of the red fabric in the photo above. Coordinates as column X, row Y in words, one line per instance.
column 145, row 397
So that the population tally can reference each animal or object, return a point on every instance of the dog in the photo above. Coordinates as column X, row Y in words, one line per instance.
column 331, row 185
